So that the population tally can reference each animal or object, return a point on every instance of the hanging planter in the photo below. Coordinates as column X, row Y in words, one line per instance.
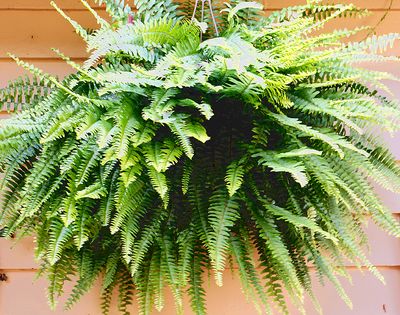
column 175, row 149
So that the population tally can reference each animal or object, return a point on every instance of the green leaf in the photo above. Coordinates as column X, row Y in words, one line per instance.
column 170, row 154
column 159, row 182
column 162, row 156
column 131, row 174
column 144, row 134
column 298, row 221
column 234, row 177
column 295, row 167
column 83, row 228
column 94, row 191
column 204, row 108
column 187, row 173
column 69, row 207
column 279, row 251
column 179, row 128
column 59, row 235
column 223, row 213
column 308, row 131
column 298, row 153
column 152, row 153
column 197, row 131
column 132, row 158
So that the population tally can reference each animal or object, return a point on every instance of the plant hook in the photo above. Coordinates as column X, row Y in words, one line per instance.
column 202, row 13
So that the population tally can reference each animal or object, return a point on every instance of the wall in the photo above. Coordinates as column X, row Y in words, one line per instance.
column 29, row 28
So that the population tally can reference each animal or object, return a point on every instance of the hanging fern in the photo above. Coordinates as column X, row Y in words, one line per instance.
column 172, row 151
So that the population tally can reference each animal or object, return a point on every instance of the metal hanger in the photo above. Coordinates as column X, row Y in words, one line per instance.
column 202, row 13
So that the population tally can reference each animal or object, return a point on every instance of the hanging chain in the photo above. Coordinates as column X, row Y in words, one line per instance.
column 202, row 13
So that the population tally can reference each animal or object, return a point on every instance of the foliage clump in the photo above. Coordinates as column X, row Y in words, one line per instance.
column 165, row 155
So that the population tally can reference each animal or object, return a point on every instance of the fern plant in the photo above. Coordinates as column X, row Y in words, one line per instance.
column 165, row 155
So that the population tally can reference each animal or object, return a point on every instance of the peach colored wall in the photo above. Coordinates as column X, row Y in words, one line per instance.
column 29, row 28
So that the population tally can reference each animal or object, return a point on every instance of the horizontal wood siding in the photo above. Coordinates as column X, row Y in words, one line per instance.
column 30, row 28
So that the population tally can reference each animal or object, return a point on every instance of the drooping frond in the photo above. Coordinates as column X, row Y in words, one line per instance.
column 222, row 216
column 24, row 92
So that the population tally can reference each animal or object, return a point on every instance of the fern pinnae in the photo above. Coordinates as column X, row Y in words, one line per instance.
column 128, row 233
column 178, row 129
column 56, row 276
column 60, row 235
column 160, row 185
column 111, row 269
column 117, row 9
column 200, row 213
column 106, row 298
column 298, row 221
column 147, row 238
column 223, row 212
column 128, row 204
column 99, row 19
column 88, row 161
column 78, row 28
column 273, row 287
column 170, row 269
column 171, row 154
column 88, row 270
column 157, row 280
column 145, row 290
column 234, row 177
column 248, row 274
column 280, row 254
column 107, row 205
column 322, row 264
column 83, row 227
column 186, row 174
column 196, row 290
column 125, row 293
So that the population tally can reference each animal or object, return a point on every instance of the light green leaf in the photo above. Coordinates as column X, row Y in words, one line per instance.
column 197, row 131
column 94, row 191
column 298, row 153
column 234, row 177
column 293, row 166
column 298, row 221
column 131, row 174
column 159, row 182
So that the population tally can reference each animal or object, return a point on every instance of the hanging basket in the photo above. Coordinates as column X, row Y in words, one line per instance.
column 176, row 149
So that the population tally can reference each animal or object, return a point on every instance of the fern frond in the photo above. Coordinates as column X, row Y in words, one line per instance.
column 117, row 9
column 223, row 213
column 57, row 275
column 234, row 177
column 196, row 290
column 24, row 92
column 78, row 28
column 152, row 10
column 59, row 235
column 125, row 293
column 280, row 254
column 159, row 182
column 88, row 269
column 249, row 277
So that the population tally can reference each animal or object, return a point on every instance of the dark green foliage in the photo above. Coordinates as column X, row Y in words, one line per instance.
column 166, row 155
